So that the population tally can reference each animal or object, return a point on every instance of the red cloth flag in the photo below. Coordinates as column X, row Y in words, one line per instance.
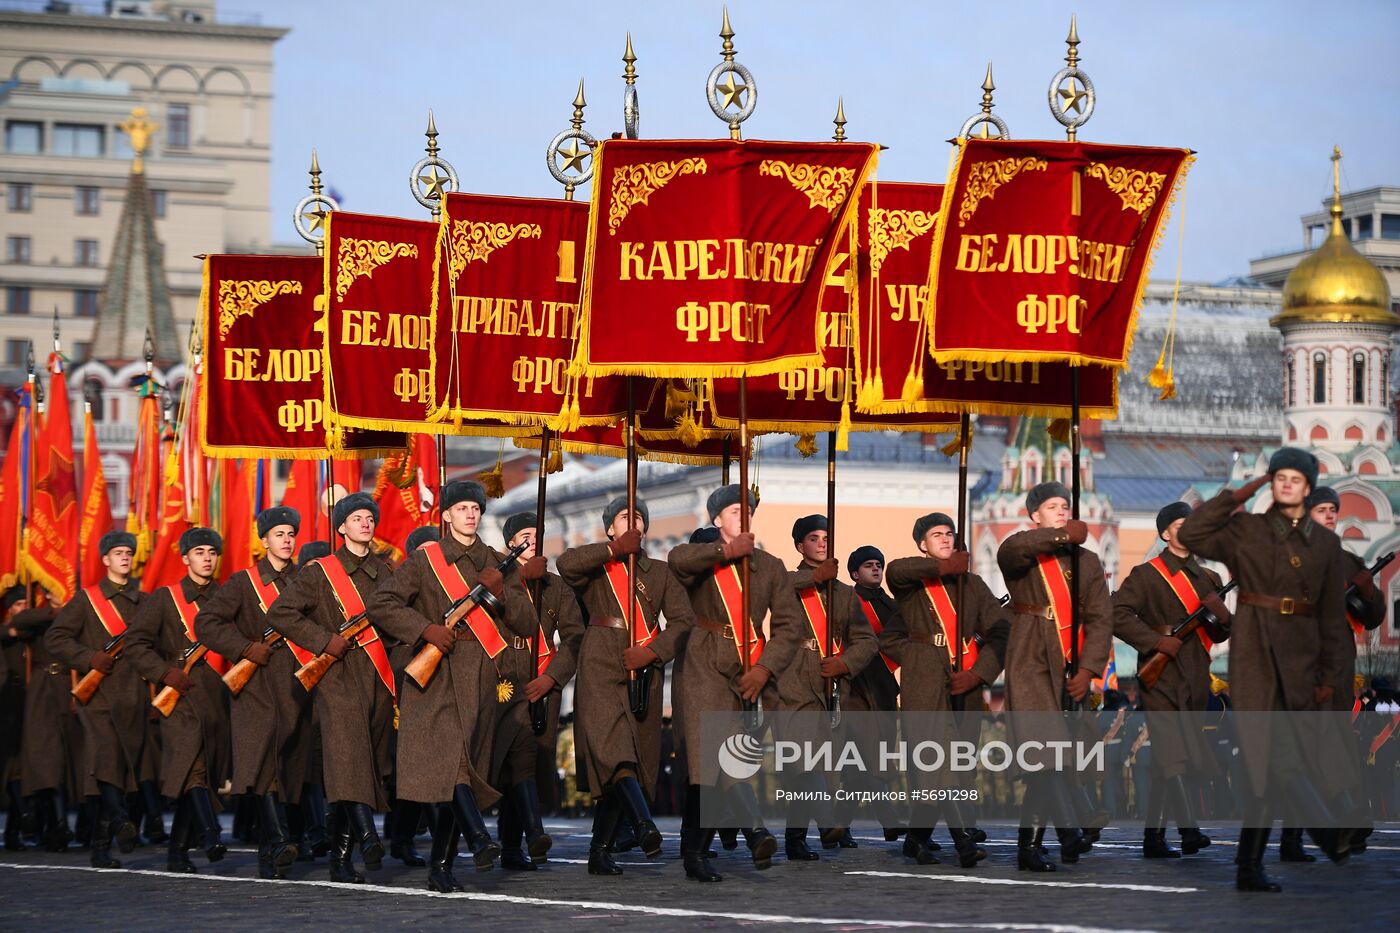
column 51, row 539
column 144, row 490
column 12, row 491
column 97, row 506
column 165, row 567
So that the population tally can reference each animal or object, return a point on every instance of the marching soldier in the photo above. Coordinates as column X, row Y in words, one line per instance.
column 447, row 729
column 271, row 714
column 114, row 721
column 806, row 683
column 544, row 678
column 1154, row 598
column 940, row 602
column 20, row 820
column 355, row 697
column 714, row 676
column 1037, row 566
column 875, row 688
column 618, row 753
column 1286, row 650
column 51, row 741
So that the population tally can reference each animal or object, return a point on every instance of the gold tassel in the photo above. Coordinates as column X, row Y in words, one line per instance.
column 556, row 460
column 951, row 448
column 689, row 431
column 843, row 430
column 753, row 488
column 1168, row 390
column 806, row 444
column 913, row 389
column 1158, row 377
column 1059, row 430
column 679, row 399
column 493, row 480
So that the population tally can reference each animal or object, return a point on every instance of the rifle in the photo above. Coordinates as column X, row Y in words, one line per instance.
column 237, row 677
column 1150, row 670
column 310, row 673
column 425, row 663
column 167, row 698
column 1356, row 604
column 86, row 687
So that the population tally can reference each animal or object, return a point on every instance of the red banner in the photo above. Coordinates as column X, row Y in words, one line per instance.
column 51, row 537
column 1045, row 248
column 714, row 251
column 379, row 284
column 96, row 518
column 506, row 309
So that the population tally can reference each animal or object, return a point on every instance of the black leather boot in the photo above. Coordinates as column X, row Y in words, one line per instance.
column 204, row 829
column 57, row 836
column 177, row 853
column 634, row 804
column 1179, row 797
column 274, row 833
column 707, row 844
column 763, row 845
column 484, row 849
column 102, row 842
column 315, row 839
column 968, row 852
column 697, row 866
column 114, row 809
column 729, row 838
column 795, row 845
column 525, row 799
column 1335, row 844
column 153, row 825
column 509, row 833
column 401, row 845
column 443, row 853
column 1290, row 846
column 1028, row 856
column 366, row 835
column 1154, row 830
column 916, row 846
column 1249, row 861
column 1073, row 844
column 15, row 819
column 606, row 813
column 338, row 826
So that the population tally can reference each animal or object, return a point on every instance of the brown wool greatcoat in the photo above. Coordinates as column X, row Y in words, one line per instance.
column 354, row 709
column 1276, row 660
column 114, row 721
column 875, row 687
column 447, row 730
column 52, row 742
column 606, row 734
column 1144, row 609
column 801, row 686
column 197, row 732
column 273, row 741
column 712, row 665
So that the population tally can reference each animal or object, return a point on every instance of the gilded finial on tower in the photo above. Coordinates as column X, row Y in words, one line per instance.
column 629, row 57
column 140, row 130
column 1336, row 209
column 840, row 120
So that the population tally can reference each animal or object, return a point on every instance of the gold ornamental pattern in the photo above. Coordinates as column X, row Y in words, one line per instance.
column 633, row 185
column 984, row 178
column 891, row 230
column 478, row 239
column 362, row 257
column 1137, row 189
column 826, row 186
column 241, row 297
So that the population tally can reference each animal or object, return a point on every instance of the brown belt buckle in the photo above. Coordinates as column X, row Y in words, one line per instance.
column 812, row 645
column 1285, row 605
column 729, row 633
column 1050, row 613
column 518, row 643
column 55, row 668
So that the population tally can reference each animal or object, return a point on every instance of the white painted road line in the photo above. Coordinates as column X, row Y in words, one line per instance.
column 982, row 879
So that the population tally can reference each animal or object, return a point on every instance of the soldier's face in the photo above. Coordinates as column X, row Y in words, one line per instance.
column 938, row 542
column 621, row 521
column 359, row 527
column 1172, row 533
column 525, row 536
column 813, row 547
column 1325, row 514
column 464, row 517
column 280, row 542
column 1053, row 513
column 201, row 560
column 118, row 561
column 728, row 522
column 870, row 573
column 1290, row 487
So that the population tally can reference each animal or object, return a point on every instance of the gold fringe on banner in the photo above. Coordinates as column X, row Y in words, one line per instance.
column 806, row 444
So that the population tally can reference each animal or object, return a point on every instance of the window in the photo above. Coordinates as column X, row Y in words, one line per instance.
column 1358, row 379
column 1288, row 381
column 1390, row 226
column 1319, row 378
column 84, row 303
column 84, row 252
column 17, row 300
column 177, row 126
column 157, row 203
column 1385, row 379
column 24, row 138
column 86, row 200
column 17, row 249
column 81, row 351
column 1363, row 227
column 19, row 198
column 78, row 139
column 14, row 352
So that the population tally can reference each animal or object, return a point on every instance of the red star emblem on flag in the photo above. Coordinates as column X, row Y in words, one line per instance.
column 58, row 484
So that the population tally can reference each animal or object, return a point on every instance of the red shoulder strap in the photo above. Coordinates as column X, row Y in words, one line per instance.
column 107, row 613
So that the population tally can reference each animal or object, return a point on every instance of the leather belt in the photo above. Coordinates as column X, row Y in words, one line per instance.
column 719, row 628
column 56, row 668
column 1029, row 609
column 812, row 645
column 938, row 641
column 519, row 643
column 608, row 622
column 1283, row 605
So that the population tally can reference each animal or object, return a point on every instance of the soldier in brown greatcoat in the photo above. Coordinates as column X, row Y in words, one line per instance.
column 618, row 756
column 51, row 743
column 805, row 684
column 875, row 689
column 447, row 729
column 195, row 736
column 114, row 721
column 14, row 664
column 271, row 717
column 714, row 671
column 1286, row 644
column 939, row 602
column 1037, row 566
column 1154, row 598
column 355, row 697
column 522, row 776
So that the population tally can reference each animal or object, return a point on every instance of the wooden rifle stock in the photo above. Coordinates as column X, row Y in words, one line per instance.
column 237, row 677
column 310, row 673
column 1356, row 605
column 86, row 688
column 166, row 699
column 1151, row 670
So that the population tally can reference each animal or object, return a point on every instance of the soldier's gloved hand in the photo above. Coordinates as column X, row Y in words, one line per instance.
column 1216, row 606
column 636, row 657
column 1364, row 584
column 540, row 687
column 258, row 653
column 1322, row 694
column 1079, row 685
column 1247, row 491
column 1076, row 531
column 440, row 637
column 741, row 546
column 826, row 571
column 960, row 682
column 751, row 684
column 1167, row 645
column 493, row 581
column 177, row 680
column 101, row 662
column 833, row 667
column 629, row 542
column 954, row 564
column 534, row 569
column 337, row 646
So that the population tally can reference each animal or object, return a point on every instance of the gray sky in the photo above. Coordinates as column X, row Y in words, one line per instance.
column 1261, row 89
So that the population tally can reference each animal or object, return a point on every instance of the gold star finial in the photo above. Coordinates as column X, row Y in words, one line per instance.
column 433, row 184
column 140, row 130
column 732, row 91
column 574, row 156
column 1072, row 96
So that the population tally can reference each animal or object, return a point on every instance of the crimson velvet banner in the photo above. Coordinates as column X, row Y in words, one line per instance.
column 1045, row 247
column 379, row 285
column 705, row 258
column 506, row 314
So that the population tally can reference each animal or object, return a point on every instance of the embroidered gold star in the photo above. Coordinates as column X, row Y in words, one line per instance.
column 573, row 156
column 1071, row 96
column 432, row 184
column 731, row 91
column 315, row 220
